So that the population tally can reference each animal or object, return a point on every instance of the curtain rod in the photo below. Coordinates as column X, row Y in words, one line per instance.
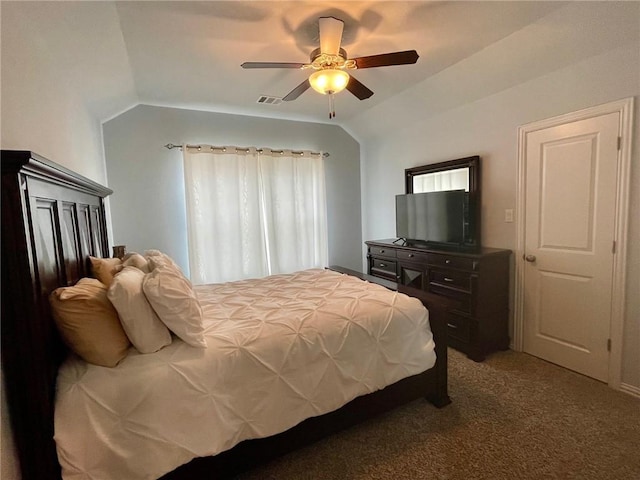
column 171, row 146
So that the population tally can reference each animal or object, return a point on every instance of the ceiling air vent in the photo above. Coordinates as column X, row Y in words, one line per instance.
column 267, row 100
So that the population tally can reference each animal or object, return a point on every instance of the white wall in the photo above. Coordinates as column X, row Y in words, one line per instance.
column 54, row 88
column 39, row 110
column 487, row 126
column 148, row 205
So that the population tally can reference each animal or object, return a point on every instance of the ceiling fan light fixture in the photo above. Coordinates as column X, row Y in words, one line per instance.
column 328, row 81
column 329, row 62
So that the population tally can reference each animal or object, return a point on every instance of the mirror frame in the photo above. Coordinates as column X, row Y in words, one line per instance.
column 473, row 164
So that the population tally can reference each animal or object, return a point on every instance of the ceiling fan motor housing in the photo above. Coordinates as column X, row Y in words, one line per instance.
column 321, row 61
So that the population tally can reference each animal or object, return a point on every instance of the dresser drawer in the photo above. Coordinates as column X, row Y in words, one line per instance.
column 451, row 278
column 383, row 267
column 462, row 297
column 412, row 256
column 382, row 251
column 452, row 261
column 459, row 327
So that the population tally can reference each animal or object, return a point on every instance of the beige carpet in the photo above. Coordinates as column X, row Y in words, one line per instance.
column 512, row 417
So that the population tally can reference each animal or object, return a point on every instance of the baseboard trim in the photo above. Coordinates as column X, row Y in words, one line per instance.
column 630, row 389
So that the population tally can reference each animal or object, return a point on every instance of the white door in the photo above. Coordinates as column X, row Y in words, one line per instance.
column 570, row 211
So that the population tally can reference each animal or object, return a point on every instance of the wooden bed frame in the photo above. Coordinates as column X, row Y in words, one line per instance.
column 52, row 220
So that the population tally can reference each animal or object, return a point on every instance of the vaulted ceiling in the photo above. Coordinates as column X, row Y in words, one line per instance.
column 188, row 54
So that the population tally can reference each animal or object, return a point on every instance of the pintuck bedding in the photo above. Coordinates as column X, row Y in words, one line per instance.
column 279, row 350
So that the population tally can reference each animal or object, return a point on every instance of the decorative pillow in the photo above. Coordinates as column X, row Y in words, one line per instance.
column 136, row 260
column 158, row 261
column 173, row 299
column 105, row 268
column 88, row 323
column 140, row 322
column 157, row 258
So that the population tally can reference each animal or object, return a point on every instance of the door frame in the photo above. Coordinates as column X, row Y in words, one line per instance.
column 625, row 108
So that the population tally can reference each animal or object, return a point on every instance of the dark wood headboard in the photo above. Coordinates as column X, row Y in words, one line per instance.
column 52, row 220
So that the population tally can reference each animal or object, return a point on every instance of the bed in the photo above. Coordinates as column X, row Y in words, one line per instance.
column 53, row 219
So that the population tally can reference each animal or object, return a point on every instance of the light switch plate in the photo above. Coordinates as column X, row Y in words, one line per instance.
column 508, row 215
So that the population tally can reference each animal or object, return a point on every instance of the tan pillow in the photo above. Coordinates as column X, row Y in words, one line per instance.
column 136, row 260
column 157, row 258
column 88, row 323
column 173, row 299
column 157, row 261
column 105, row 268
column 141, row 324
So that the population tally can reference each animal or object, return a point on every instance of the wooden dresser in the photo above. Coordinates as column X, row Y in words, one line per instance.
column 477, row 282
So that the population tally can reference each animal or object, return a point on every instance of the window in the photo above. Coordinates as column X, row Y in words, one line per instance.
column 254, row 213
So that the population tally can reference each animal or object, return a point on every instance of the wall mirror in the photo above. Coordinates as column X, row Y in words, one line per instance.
column 462, row 173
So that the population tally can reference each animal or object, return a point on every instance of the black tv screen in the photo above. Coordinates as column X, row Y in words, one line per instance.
column 432, row 217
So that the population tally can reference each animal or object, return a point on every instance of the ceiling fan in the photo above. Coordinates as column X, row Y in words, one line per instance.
column 330, row 63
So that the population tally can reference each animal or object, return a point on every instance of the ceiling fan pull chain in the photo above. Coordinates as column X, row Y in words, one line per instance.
column 332, row 108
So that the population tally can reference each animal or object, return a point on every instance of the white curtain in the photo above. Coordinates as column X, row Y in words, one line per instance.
column 252, row 214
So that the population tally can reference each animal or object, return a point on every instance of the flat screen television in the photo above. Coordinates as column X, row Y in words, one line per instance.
column 439, row 218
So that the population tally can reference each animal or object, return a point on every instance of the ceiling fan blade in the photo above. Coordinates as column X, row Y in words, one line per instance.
column 296, row 92
column 271, row 65
column 330, row 35
column 387, row 59
column 358, row 88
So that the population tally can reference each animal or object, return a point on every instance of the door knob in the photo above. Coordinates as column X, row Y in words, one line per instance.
column 530, row 258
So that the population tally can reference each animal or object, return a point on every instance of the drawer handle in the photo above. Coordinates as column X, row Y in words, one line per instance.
column 383, row 265
column 410, row 255
column 451, row 325
column 447, row 261
column 381, row 251
column 447, row 279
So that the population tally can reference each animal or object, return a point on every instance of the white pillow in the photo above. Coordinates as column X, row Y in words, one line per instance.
column 173, row 299
column 136, row 260
column 156, row 261
column 157, row 258
column 140, row 322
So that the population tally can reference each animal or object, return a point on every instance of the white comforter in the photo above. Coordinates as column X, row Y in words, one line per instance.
column 280, row 350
